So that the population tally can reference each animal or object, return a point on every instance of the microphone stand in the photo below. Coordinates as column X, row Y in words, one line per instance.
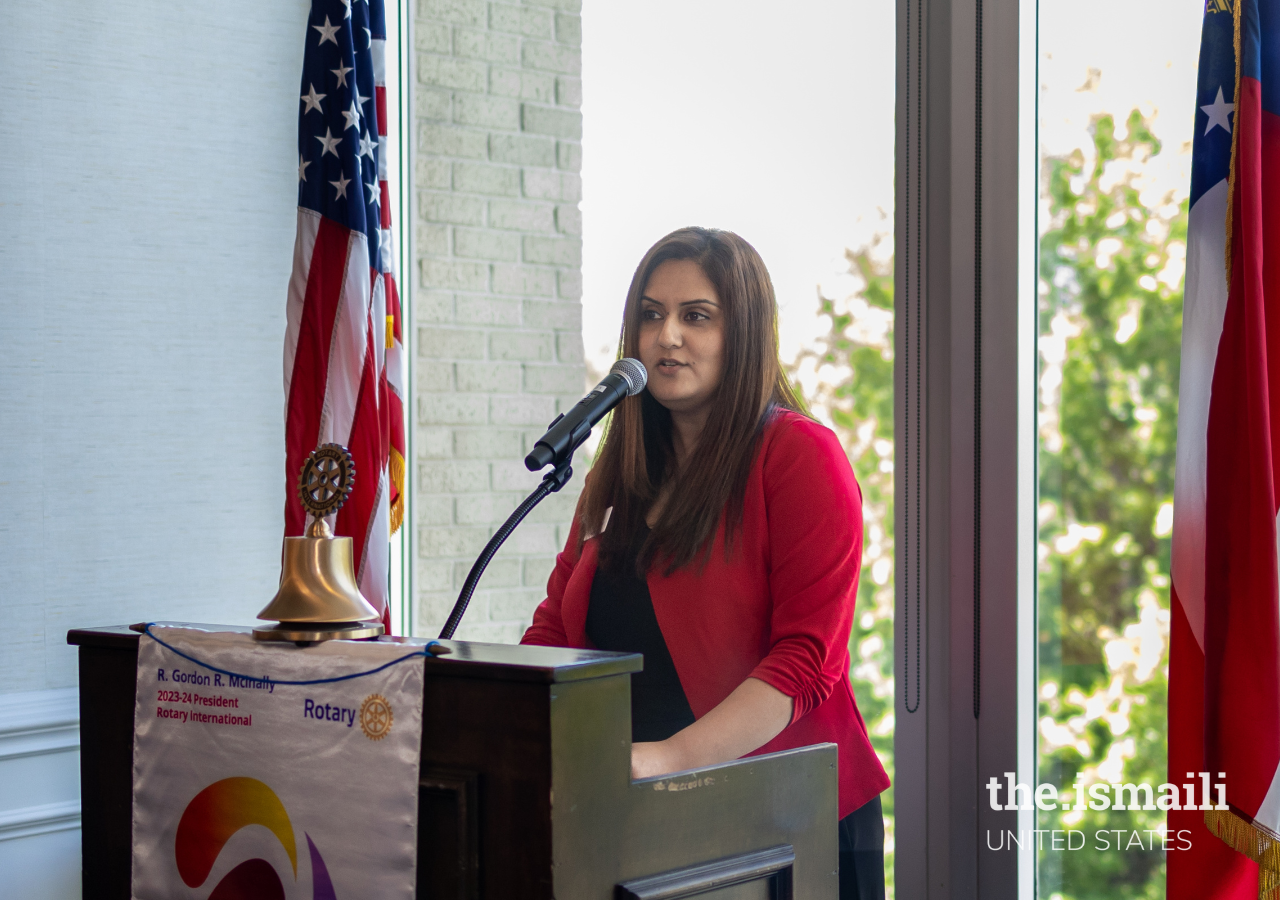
column 557, row 478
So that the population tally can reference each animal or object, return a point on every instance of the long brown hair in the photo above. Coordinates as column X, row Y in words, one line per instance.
column 637, row 456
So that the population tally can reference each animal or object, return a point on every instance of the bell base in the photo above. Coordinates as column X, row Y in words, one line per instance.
column 314, row 632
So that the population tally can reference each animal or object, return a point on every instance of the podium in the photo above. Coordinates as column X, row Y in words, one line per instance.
column 525, row 787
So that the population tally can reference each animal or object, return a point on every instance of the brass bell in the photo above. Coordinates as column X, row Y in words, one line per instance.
column 319, row 599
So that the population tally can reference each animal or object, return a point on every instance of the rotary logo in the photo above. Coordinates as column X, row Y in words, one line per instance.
column 375, row 717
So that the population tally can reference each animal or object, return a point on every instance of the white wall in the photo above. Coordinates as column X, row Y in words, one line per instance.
column 147, row 196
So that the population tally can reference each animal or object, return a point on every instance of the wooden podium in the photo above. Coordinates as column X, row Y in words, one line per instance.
column 525, row 788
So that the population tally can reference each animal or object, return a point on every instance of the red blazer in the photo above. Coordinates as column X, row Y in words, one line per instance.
column 780, row 610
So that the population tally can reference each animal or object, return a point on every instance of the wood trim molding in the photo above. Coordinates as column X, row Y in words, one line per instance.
column 30, row 821
column 36, row 724
column 39, row 722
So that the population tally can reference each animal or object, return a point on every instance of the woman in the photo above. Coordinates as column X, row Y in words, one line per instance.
column 720, row 534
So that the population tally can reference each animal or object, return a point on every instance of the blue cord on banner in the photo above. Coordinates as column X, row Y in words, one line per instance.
column 424, row 652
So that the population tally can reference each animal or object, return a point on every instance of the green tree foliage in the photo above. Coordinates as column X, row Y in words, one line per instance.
column 1111, row 265
column 846, row 378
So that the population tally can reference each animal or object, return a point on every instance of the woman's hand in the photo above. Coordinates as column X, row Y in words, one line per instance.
column 747, row 719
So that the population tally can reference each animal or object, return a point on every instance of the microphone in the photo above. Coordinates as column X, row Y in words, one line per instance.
column 626, row 378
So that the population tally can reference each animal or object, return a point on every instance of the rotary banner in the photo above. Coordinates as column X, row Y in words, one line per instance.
column 274, row 771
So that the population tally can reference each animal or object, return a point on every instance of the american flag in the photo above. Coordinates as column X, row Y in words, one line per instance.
column 343, row 351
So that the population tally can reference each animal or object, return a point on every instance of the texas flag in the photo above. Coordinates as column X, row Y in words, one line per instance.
column 1224, row 670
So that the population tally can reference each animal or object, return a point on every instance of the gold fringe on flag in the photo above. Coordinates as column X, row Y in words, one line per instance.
column 395, row 468
column 1255, row 842
column 1235, row 131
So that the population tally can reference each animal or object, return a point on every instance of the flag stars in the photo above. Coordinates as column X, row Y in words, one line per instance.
column 1217, row 111
column 328, row 32
column 312, row 99
column 329, row 142
column 352, row 116
column 355, row 166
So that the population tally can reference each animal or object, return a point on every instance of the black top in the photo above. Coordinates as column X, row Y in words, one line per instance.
column 620, row 617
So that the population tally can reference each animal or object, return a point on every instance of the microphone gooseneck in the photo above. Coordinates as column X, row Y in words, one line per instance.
column 626, row 378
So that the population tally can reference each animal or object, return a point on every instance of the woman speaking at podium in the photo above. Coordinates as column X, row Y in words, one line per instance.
column 719, row 533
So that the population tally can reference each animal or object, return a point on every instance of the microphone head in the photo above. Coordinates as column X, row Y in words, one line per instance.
column 633, row 373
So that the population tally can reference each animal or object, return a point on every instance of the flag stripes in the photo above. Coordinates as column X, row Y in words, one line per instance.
column 343, row 359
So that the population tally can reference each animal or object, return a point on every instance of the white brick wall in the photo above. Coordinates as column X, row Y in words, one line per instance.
column 497, row 293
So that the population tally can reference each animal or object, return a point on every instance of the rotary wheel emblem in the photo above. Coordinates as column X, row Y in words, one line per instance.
column 376, row 717
column 326, row 480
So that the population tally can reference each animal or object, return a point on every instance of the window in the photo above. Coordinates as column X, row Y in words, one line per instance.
column 1115, row 122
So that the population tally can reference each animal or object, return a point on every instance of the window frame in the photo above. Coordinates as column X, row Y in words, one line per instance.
column 965, row 429
column 399, row 105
